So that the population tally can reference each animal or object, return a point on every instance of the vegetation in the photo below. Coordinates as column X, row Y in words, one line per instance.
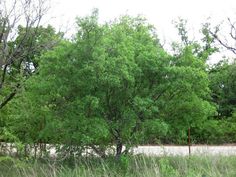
column 112, row 85
column 135, row 166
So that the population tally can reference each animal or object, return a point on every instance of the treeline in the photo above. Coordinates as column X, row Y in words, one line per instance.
column 113, row 84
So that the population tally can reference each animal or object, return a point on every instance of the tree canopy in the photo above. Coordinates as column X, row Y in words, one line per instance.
column 112, row 85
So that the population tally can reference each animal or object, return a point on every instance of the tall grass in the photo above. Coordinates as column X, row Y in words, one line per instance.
column 133, row 166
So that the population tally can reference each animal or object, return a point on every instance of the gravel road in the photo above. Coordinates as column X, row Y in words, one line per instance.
column 183, row 150
column 171, row 150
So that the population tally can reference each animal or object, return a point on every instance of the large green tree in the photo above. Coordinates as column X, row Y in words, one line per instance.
column 112, row 85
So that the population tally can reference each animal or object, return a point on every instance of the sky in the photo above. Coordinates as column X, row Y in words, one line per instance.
column 160, row 13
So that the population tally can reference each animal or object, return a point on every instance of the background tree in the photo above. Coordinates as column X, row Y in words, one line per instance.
column 223, row 86
column 190, row 77
column 229, row 41
column 22, row 41
column 17, row 43
column 221, row 127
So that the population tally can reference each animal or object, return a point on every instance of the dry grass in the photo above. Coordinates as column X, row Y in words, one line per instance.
column 133, row 166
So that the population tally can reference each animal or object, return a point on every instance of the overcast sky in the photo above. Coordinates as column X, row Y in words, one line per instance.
column 161, row 13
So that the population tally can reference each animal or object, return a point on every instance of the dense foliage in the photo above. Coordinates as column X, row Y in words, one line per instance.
column 222, row 126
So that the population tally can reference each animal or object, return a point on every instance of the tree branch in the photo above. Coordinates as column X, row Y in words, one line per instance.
column 9, row 97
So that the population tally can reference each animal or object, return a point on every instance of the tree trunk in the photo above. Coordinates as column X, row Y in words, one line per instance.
column 35, row 150
column 26, row 150
column 189, row 141
column 118, row 149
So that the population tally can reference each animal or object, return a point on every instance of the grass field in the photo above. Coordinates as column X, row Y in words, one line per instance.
column 134, row 166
